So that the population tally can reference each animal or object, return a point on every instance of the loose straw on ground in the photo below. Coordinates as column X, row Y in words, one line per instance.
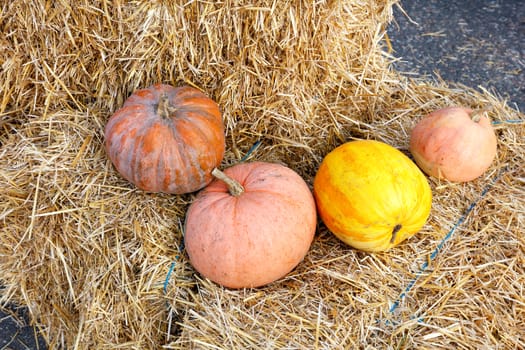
column 88, row 253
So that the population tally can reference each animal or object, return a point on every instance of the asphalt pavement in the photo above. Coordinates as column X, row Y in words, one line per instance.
column 477, row 43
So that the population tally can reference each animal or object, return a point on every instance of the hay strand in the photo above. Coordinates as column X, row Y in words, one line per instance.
column 93, row 258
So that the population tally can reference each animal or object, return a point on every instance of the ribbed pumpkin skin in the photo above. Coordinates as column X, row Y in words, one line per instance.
column 371, row 196
column 171, row 155
column 255, row 238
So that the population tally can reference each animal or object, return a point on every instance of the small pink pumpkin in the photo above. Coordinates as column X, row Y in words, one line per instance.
column 448, row 143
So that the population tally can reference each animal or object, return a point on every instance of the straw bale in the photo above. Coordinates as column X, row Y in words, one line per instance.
column 90, row 255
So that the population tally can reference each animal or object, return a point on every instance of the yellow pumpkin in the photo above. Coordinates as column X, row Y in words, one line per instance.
column 371, row 196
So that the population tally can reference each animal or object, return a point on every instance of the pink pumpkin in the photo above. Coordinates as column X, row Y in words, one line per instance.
column 252, row 230
column 450, row 144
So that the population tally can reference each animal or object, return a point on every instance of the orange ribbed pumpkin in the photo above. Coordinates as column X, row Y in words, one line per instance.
column 252, row 230
column 166, row 139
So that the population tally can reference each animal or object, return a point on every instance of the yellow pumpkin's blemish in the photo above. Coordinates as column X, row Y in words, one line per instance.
column 394, row 232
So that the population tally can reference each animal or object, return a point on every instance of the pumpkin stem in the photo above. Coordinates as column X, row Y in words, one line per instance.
column 164, row 108
column 234, row 187
column 476, row 115
column 394, row 232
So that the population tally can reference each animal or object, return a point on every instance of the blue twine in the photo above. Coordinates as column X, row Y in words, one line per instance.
column 167, row 280
column 433, row 255
column 251, row 150
column 508, row 121
column 172, row 266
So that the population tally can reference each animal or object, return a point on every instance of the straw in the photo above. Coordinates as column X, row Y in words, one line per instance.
column 96, row 261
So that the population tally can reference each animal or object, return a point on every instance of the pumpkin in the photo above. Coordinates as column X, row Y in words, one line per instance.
column 166, row 139
column 451, row 144
column 370, row 195
column 251, row 226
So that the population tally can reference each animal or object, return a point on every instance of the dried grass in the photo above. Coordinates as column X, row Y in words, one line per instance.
column 89, row 255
